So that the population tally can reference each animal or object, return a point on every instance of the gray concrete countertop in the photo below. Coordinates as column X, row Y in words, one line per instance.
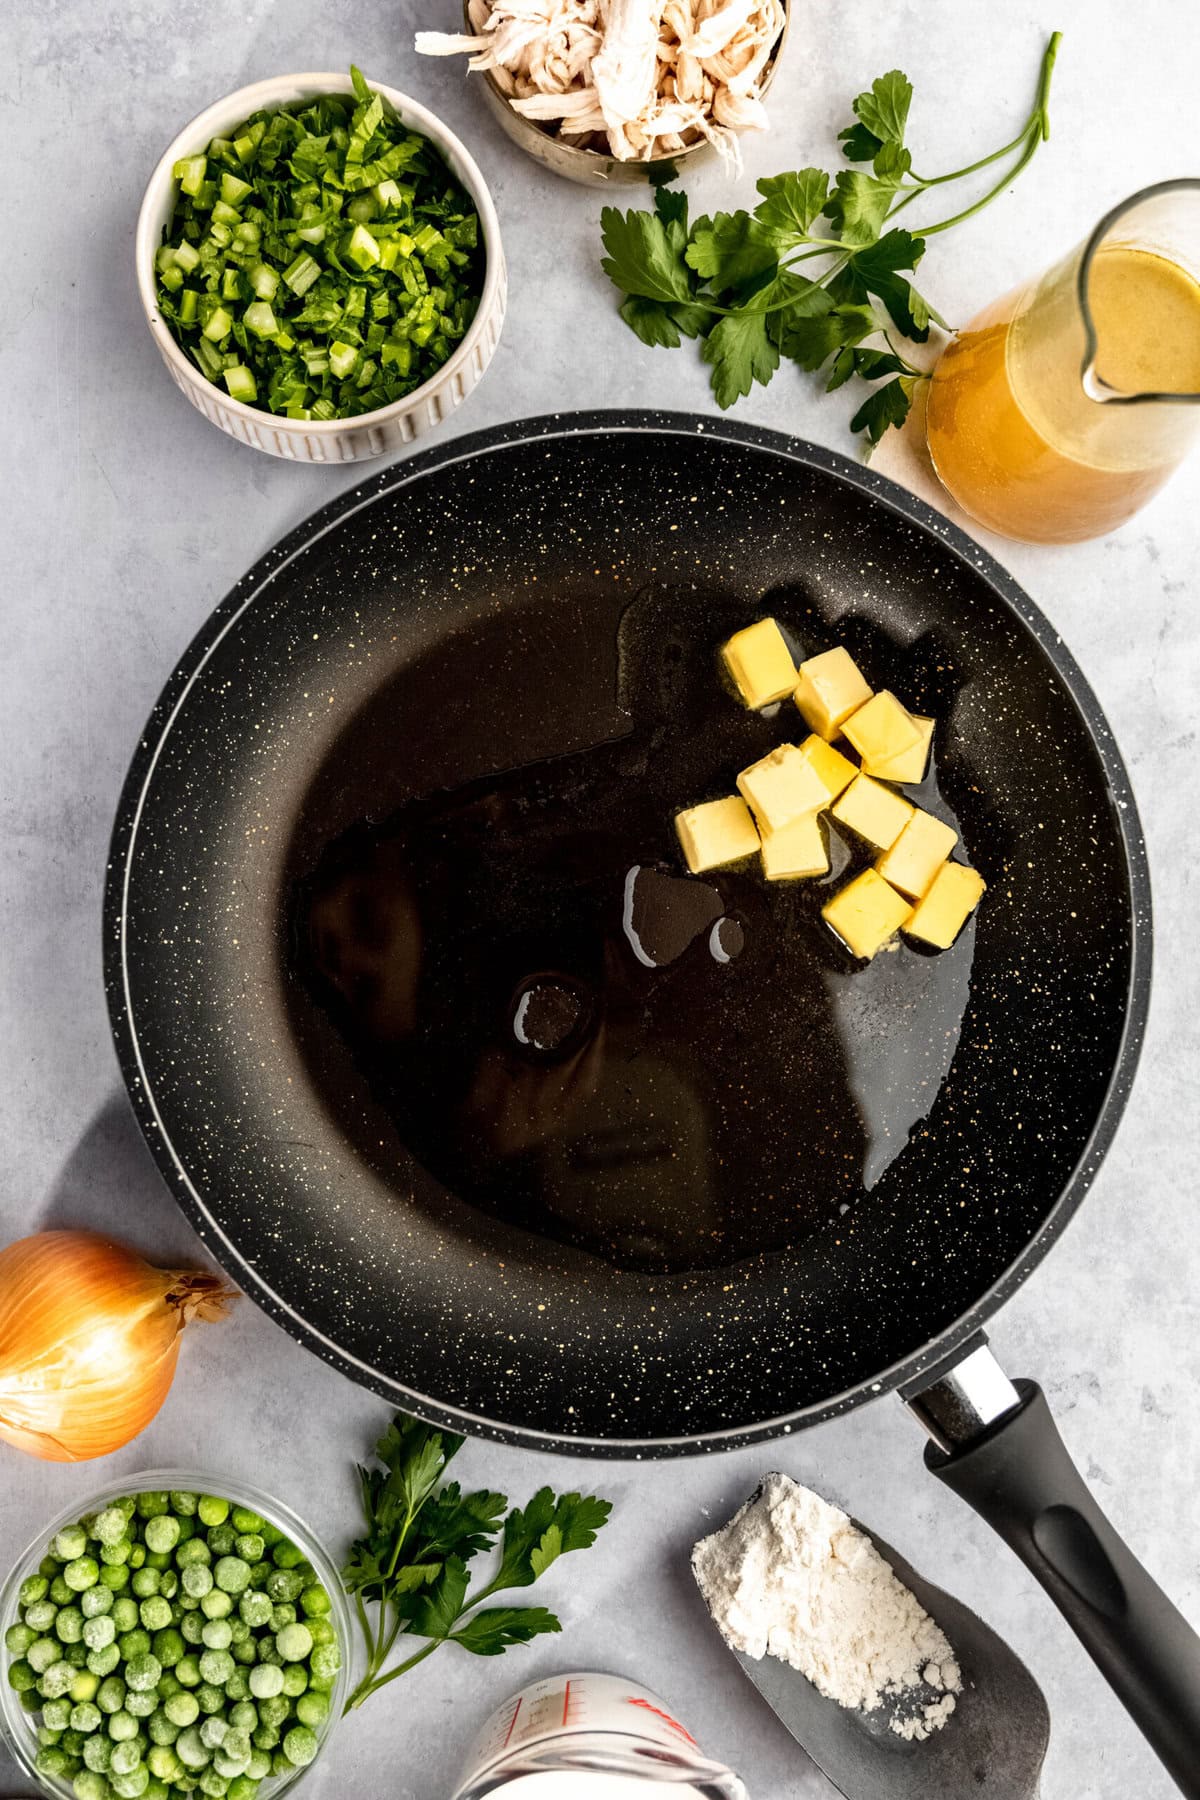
column 127, row 516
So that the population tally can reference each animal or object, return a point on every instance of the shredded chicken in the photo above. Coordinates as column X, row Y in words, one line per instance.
column 642, row 78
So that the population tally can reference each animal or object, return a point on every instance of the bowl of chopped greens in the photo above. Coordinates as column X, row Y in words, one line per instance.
column 319, row 262
column 175, row 1634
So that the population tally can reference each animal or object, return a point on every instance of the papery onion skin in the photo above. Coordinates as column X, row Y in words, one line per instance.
column 89, row 1339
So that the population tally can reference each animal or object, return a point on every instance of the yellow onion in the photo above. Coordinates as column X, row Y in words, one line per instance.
column 89, row 1338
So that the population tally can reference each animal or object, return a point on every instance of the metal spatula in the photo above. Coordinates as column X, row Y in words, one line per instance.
column 992, row 1747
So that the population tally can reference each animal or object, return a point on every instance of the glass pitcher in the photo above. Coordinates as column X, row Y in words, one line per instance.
column 1064, row 406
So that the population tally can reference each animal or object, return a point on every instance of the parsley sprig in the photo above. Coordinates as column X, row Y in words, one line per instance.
column 408, row 1573
column 735, row 280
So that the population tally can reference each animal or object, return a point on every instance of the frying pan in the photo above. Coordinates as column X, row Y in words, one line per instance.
column 502, row 644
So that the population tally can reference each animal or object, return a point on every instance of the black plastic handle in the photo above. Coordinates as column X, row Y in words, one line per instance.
column 1019, row 1477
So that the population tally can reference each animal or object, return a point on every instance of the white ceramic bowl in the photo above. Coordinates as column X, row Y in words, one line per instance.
column 334, row 440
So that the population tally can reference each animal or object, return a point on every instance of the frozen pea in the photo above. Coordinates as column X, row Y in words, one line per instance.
column 41, row 1615
column 110, row 1695
column 132, row 1786
column 294, row 1643
column 191, row 1627
column 125, row 1757
column 168, row 1684
column 99, row 1631
column 260, row 1765
column 245, row 1652
column 239, row 1631
column 295, row 1680
column 82, row 1572
column 156, row 1790
column 322, row 1631
column 250, row 1547
column 183, row 1503
column 162, row 1761
column 73, row 1741
column 286, row 1555
column 115, row 1556
column 213, row 1784
column 97, row 1752
column 210, row 1696
column 42, row 1652
column 255, row 1608
column 274, row 1709
column 103, row 1662
column 114, row 1579
column 168, row 1646
column 226, row 1762
column 197, row 1580
column 265, row 1738
column 246, row 1520
column 68, row 1626
column 142, row 1671
column 30, row 1701
column 237, row 1687
column 60, row 1593
column 244, row 1787
column 52, row 1761
column 86, row 1716
column 312, row 1708
column 159, row 1728
column 84, row 1685
column 282, row 1613
column 122, row 1726
column 168, row 1584
column 217, row 1605
column 285, row 1584
column 142, row 1702
column 155, row 1613
column 124, row 1614
column 91, row 1785
column 162, row 1534
column 216, row 1666
column 258, row 1575
column 145, row 1582
column 232, row 1574
column 216, row 1634
column 56, row 1680
column 18, row 1638
column 182, row 1709
column 187, row 1672
column 70, row 1543
column 152, row 1505
column 137, row 1555
column 33, row 1589
column 315, row 1602
column 221, row 1540
column 193, row 1552
column 96, row 1602
column 133, row 1643
column 109, row 1526
column 243, row 1716
column 212, row 1509
column 190, row 1751
column 76, row 1654
column 266, row 1681
column 212, row 1733
column 326, row 1661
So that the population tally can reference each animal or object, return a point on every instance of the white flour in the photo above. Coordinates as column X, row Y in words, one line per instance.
column 791, row 1576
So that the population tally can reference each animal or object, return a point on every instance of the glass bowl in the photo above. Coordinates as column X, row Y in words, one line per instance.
column 19, row 1728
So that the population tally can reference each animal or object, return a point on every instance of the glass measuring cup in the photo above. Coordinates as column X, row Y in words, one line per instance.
column 589, row 1736
column 1064, row 406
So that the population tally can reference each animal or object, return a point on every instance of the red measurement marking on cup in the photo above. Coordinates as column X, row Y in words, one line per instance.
column 512, row 1722
column 566, row 1704
column 636, row 1700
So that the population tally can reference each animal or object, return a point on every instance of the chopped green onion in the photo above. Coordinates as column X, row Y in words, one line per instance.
column 387, row 193
column 189, row 173
column 259, row 318
column 264, row 281
column 225, row 215
column 342, row 358
column 219, row 325
column 172, row 278
column 189, row 306
column 231, row 285
column 301, row 273
column 186, row 256
column 233, row 189
column 361, row 248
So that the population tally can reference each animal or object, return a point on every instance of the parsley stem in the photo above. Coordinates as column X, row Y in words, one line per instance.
column 1009, row 176
column 371, row 1684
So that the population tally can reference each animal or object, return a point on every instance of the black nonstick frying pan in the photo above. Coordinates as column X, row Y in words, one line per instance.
column 497, row 1113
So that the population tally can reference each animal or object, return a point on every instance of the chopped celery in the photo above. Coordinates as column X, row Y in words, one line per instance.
column 259, row 318
column 361, row 248
column 241, row 384
column 292, row 270
column 264, row 280
column 189, row 173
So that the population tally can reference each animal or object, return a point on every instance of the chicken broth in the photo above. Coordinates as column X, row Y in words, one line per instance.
column 567, row 1030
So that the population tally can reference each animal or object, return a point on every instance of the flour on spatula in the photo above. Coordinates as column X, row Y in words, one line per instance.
column 791, row 1576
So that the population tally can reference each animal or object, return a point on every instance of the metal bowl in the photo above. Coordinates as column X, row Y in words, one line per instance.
column 599, row 168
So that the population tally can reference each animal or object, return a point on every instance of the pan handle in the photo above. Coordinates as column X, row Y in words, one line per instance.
column 995, row 1444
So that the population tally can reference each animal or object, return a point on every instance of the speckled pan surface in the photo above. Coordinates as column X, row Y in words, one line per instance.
column 364, row 1257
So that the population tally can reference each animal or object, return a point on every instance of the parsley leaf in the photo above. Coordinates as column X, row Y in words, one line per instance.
column 741, row 352
column 887, row 405
column 811, row 341
column 883, row 109
column 859, row 144
column 732, row 249
column 641, row 258
column 662, row 323
column 421, row 1533
column 791, row 204
column 491, row 1631
column 858, row 205
column 875, row 270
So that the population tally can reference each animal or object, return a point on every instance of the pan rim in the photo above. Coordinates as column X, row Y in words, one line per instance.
column 907, row 1371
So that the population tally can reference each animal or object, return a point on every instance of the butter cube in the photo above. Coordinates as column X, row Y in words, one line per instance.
column 830, row 688
column 781, row 787
column 835, row 770
column 866, row 913
column 909, row 765
column 795, row 852
column 881, row 730
column 953, row 897
column 760, row 663
column 873, row 812
column 917, row 854
column 719, row 832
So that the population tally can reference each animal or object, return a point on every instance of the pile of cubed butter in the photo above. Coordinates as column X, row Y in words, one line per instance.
column 777, row 812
